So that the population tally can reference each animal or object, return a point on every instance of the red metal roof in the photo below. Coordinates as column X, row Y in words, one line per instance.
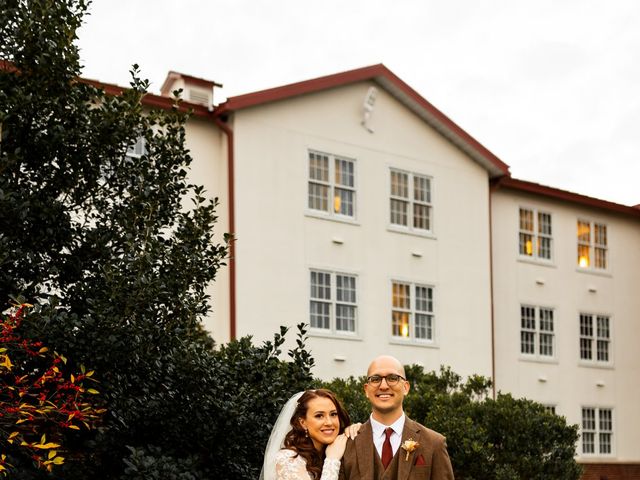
column 564, row 195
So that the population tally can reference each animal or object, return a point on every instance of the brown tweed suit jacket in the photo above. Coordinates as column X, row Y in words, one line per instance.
column 360, row 455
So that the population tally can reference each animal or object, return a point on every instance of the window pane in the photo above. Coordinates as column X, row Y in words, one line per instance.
column 586, row 325
column 399, row 214
column 527, row 342
column 588, row 419
column 526, row 220
column 583, row 256
column 584, row 232
column 318, row 197
column 526, row 244
column 600, row 258
column 318, row 167
column 343, row 202
column 346, row 288
column 424, row 299
column 528, row 317
column 606, row 423
column 319, row 317
column 400, row 324
column 603, row 327
column 546, row 345
column 424, row 327
column 544, row 223
column 421, row 217
column 600, row 234
column 544, row 248
column 399, row 184
column 320, row 285
column 421, row 189
column 605, row 443
column 346, row 318
column 344, row 172
column 400, row 294
column 588, row 443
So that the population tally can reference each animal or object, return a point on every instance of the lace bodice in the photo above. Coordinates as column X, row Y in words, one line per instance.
column 290, row 466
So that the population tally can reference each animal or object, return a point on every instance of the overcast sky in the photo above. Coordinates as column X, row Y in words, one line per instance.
column 552, row 87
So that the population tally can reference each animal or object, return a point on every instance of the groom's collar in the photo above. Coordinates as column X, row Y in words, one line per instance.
column 378, row 427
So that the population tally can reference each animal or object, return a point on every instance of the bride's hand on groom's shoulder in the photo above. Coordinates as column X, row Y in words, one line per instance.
column 336, row 449
column 352, row 430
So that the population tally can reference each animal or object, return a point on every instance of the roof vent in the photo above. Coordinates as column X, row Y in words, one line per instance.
column 195, row 90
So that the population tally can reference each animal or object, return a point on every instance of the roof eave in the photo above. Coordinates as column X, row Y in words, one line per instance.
column 397, row 88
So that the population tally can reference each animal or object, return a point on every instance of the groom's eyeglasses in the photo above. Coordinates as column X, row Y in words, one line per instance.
column 392, row 379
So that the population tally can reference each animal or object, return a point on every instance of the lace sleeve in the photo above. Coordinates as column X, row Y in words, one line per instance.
column 330, row 469
column 292, row 467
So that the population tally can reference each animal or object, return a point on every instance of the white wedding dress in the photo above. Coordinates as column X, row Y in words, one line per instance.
column 290, row 466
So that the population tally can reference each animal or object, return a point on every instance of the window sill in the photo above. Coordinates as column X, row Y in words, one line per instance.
column 602, row 366
column 532, row 359
column 596, row 457
column 334, row 335
column 413, row 343
column 331, row 218
column 537, row 261
column 591, row 271
column 413, row 233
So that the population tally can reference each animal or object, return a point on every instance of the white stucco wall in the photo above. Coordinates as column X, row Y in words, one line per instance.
column 208, row 148
column 570, row 384
column 278, row 241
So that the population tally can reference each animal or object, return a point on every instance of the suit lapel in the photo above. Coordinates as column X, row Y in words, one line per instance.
column 365, row 450
column 410, row 432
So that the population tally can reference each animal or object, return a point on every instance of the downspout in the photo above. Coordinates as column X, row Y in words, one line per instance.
column 493, row 186
column 232, row 225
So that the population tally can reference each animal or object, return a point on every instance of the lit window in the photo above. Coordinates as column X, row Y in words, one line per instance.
column 535, row 238
column 333, row 305
column 412, row 315
column 331, row 185
column 592, row 245
column 536, row 331
column 597, row 431
column 595, row 338
column 410, row 204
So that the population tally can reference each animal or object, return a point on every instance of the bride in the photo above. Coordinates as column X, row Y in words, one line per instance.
column 308, row 440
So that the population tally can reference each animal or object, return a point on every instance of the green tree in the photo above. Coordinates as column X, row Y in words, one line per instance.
column 503, row 439
column 103, row 243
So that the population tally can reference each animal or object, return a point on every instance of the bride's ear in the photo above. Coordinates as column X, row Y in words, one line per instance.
column 302, row 422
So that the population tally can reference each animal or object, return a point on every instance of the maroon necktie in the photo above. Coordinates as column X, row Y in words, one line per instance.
column 387, row 451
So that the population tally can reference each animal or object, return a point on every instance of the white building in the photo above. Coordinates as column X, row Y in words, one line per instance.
column 362, row 210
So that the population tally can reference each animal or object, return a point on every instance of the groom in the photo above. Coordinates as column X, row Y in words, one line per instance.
column 390, row 446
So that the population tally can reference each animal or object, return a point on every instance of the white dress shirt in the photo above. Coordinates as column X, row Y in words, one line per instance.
column 379, row 435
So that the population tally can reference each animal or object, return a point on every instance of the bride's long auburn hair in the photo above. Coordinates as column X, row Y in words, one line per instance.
column 297, row 440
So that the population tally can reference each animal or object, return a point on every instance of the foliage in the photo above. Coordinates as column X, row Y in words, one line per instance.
column 41, row 403
column 504, row 439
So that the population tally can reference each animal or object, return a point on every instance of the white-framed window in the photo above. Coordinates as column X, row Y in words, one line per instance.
column 333, row 306
column 595, row 338
column 597, row 431
column 550, row 409
column 412, row 314
column 592, row 245
column 537, row 332
column 137, row 149
column 332, row 185
column 535, row 237
column 410, row 202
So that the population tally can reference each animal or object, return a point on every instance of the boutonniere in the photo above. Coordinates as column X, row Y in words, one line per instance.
column 409, row 446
